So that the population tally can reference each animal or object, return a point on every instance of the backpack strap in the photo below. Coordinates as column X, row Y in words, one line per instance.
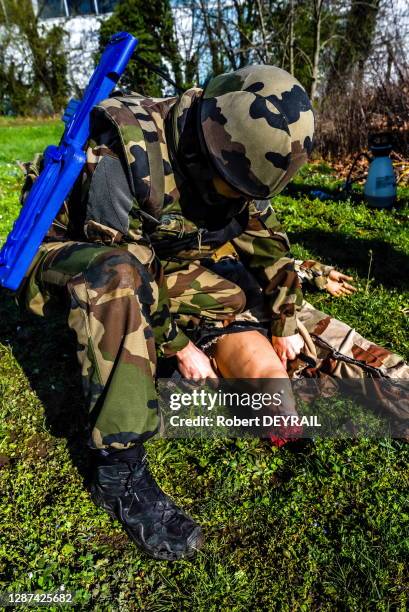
column 139, row 137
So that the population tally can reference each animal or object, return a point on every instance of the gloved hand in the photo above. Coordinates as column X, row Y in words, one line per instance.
column 287, row 347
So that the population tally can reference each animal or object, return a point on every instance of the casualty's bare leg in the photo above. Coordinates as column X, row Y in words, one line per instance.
column 247, row 354
column 250, row 355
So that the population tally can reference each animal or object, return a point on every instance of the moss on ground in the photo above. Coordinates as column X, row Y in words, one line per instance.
column 326, row 528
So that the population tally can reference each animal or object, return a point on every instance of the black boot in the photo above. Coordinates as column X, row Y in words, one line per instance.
column 123, row 485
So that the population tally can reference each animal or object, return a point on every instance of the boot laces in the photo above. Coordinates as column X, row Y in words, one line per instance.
column 140, row 480
column 140, row 471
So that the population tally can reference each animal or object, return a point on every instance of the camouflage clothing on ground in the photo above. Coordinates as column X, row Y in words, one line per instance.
column 313, row 272
column 339, row 352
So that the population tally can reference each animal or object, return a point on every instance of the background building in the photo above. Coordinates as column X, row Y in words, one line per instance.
column 81, row 20
column 51, row 9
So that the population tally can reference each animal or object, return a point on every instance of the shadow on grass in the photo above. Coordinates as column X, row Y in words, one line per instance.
column 389, row 265
column 45, row 349
column 302, row 189
column 335, row 194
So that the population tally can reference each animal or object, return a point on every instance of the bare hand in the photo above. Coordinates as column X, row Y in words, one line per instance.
column 194, row 364
column 337, row 286
column 287, row 347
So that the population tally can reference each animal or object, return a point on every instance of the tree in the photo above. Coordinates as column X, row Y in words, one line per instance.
column 39, row 65
column 356, row 44
column 152, row 23
column 318, row 6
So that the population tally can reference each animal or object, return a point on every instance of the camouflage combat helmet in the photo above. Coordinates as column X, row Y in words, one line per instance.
column 257, row 126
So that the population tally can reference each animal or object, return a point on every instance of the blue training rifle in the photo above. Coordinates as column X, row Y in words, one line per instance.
column 62, row 165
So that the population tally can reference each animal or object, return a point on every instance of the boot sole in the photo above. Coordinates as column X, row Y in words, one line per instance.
column 195, row 541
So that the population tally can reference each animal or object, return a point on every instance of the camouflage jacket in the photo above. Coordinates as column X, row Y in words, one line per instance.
column 128, row 196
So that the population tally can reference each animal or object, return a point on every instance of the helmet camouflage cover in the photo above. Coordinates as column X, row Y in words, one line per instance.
column 257, row 125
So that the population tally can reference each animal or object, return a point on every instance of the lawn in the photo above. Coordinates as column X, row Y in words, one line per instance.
column 325, row 527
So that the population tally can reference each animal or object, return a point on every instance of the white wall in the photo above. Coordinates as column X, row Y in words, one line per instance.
column 81, row 43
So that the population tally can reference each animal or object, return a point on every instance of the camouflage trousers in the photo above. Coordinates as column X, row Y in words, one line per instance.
column 120, row 315
column 337, row 351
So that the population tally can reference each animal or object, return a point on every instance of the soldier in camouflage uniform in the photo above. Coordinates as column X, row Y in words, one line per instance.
column 167, row 183
column 339, row 351
column 153, row 185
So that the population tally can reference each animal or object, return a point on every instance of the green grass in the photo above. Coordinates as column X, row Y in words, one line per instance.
column 323, row 529
column 21, row 142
